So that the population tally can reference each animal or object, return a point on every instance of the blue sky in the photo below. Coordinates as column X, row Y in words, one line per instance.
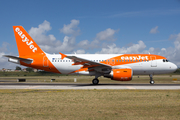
column 94, row 26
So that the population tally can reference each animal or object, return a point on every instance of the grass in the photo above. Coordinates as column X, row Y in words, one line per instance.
column 90, row 104
column 167, row 79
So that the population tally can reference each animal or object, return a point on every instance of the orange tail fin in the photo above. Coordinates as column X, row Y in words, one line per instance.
column 25, row 44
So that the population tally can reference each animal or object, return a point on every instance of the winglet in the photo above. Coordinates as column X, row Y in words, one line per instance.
column 62, row 55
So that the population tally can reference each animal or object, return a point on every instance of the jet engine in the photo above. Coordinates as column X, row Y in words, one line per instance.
column 124, row 74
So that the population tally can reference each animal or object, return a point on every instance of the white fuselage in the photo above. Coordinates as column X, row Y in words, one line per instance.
column 66, row 66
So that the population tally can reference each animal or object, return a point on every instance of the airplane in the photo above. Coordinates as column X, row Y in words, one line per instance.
column 120, row 67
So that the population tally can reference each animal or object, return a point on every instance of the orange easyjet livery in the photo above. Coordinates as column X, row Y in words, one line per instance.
column 120, row 67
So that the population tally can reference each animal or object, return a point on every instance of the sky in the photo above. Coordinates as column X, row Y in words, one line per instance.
column 93, row 27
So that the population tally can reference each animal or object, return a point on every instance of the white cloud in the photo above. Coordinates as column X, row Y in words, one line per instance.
column 172, row 36
column 107, row 34
column 3, row 60
column 80, row 51
column 4, row 47
column 83, row 44
column 178, row 37
column 71, row 28
column 49, row 43
column 133, row 49
column 99, row 41
column 154, row 30
column 39, row 34
column 171, row 53
column 68, row 44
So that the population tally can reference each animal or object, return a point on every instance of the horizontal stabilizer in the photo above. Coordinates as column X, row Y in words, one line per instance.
column 18, row 59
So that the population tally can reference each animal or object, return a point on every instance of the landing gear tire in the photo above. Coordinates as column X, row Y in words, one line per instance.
column 95, row 81
column 151, row 79
column 152, row 82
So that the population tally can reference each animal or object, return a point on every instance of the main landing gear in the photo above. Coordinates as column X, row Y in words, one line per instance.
column 95, row 81
column 151, row 79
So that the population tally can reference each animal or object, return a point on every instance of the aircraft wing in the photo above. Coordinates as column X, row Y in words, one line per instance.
column 86, row 63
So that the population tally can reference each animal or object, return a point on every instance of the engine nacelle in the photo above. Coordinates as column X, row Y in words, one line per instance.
column 120, row 74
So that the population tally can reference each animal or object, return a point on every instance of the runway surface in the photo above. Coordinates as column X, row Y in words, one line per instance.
column 18, row 85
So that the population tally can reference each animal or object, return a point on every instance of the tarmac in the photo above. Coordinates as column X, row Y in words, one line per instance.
column 26, row 85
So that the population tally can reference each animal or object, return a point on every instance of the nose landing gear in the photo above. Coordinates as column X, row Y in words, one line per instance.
column 151, row 79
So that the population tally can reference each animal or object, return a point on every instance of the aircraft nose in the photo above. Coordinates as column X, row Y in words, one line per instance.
column 173, row 67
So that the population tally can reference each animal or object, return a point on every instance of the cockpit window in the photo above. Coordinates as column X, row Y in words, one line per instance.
column 165, row 60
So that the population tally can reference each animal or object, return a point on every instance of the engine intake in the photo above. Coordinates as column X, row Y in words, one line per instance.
column 120, row 74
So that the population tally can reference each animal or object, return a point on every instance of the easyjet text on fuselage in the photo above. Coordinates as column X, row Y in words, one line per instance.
column 134, row 57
